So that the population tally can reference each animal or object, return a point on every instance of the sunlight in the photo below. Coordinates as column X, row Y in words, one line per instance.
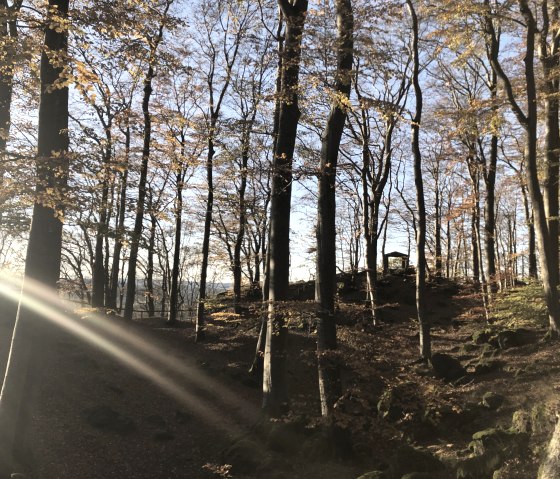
column 134, row 352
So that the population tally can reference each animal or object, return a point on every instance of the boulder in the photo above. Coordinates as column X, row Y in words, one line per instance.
column 447, row 367
column 506, row 441
column 515, row 338
column 521, row 421
column 479, row 467
column 492, row 400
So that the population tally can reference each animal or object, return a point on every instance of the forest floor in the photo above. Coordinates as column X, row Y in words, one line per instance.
column 142, row 400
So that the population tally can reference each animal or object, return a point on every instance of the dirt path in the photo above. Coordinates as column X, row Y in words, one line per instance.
column 135, row 403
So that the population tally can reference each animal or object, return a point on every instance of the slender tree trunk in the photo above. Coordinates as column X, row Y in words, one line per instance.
column 174, row 292
column 9, row 38
column 99, row 272
column 142, row 191
column 437, row 214
column 550, row 63
column 43, row 252
column 200, row 332
column 119, row 228
column 246, row 143
column 150, row 293
column 423, row 319
column 141, row 206
column 529, row 122
column 275, row 392
column 325, row 279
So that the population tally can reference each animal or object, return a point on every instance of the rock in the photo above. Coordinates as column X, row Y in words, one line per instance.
column 408, row 459
column 447, row 367
column 521, row 421
column 105, row 418
column 397, row 401
column 482, row 336
column 244, row 456
column 508, row 442
column 418, row 475
column 486, row 366
column 515, row 338
column 543, row 419
column 479, row 467
column 492, row 400
column 373, row 475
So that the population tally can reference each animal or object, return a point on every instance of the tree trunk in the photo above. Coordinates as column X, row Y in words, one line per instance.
column 550, row 468
column 141, row 205
column 437, row 213
column 529, row 122
column 325, row 279
column 119, row 229
column 99, row 272
column 137, row 231
column 42, row 266
column 423, row 319
column 246, row 143
column 174, row 293
column 275, row 392
column 150, row 293
column 200, row 332
column 8, row 37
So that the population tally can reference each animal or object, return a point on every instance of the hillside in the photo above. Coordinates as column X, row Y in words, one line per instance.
column 178, row 409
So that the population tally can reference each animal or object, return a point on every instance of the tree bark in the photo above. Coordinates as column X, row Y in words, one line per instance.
column 275, row 392
column 141, row 206
column 200, row 332
column 174, row 292
column 529, row 122
column 119, row 228
column 9, row 38
column 44, row 248
column 423, row 319
column 325, row 279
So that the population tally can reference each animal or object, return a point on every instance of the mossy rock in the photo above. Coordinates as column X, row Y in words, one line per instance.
column 492, row 400
column 480, row 467
column 408, row 459
column 521, row 421
column 508, row 442
column 543, row 419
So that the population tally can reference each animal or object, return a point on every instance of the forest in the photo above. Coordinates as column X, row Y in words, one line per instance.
column 279, row 239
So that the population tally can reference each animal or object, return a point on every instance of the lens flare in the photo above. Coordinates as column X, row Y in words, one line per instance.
column 223, row 409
